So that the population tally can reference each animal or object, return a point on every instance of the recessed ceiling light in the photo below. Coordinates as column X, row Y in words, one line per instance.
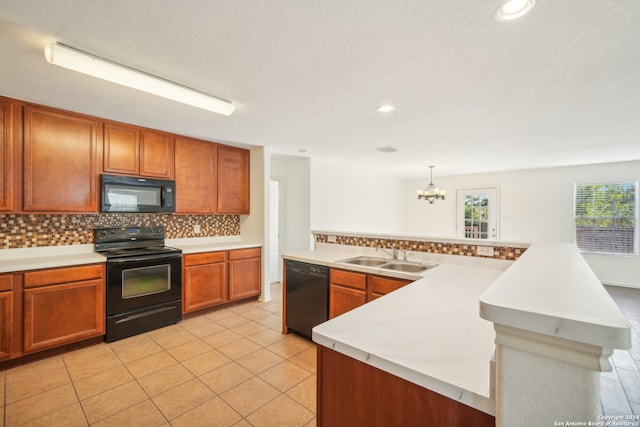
column 387, row 149
column 385, row 108
column 513, row 9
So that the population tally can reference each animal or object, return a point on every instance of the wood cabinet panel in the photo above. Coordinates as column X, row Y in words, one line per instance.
column 245, row 253
column 380, row 285
column 233, row 180
column 6, row 282
column 204, row 258
column 121, row 149
column 61, row 314
column 196, row 179
column 244, row 277
column 131, row 150
column 61, row 275
column 348, row 278
column 204, row 286
column 6, row 323
column 59, row 161
column 350, row 289
column 353, row 393
column 156, row 154
column 212, row 278
column 9, row 128
column 343, row 299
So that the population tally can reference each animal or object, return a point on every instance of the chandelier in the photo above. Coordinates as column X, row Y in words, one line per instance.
column 431, row 192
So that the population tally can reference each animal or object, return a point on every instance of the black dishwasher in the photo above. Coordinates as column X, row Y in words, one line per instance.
column 307, row 294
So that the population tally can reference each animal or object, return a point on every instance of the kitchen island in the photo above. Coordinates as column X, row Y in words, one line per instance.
column 554, row 328
column 427, row 334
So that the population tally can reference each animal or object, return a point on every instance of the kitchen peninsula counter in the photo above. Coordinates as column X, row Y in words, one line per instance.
column 428, row 332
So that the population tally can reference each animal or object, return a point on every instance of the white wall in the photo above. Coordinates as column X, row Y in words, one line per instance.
column 535, row 205
column 348, row 198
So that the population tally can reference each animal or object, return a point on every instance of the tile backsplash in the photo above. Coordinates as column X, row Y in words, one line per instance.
column 463, row 249
column 23, row 231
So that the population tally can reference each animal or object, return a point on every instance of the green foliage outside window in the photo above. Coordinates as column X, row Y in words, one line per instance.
column 606, row 217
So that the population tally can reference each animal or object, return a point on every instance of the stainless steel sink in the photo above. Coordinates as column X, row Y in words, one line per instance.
column 409, row 267
column 368, row 261
column 406, row 266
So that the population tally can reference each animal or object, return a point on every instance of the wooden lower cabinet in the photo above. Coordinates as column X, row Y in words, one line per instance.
column 62, row 306
column 347, row 290
column 213, row 278
column 245, row 270
column 350, row 289
column 353, row 393
column 381, row 285
column 204, row 280
column 6, row 315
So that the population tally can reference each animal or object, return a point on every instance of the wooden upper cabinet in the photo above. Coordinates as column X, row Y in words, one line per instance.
column 156, row 154
column 121, row 149
column 195, row 176
column 8, row 132
column 131, row 150
column 60, row 161
column 233, row 180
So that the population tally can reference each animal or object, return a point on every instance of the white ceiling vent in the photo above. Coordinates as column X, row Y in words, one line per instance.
column 387, row 149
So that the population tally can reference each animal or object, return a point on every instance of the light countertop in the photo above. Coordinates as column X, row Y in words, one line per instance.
column 428, row 332
column 581, row 310
column 24, row 259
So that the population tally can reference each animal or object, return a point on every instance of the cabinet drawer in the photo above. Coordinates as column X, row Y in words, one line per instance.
column 384, row 285
column 348, row 278
column 204, row 258
column 6, row 282
column 244, row 253
column 62, row 275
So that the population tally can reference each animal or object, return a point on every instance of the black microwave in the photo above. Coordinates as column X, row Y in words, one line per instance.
column 137, row 195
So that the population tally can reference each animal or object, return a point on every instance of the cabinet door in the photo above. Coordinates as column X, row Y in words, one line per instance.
column 156, row 154
column 383, row 285
column 204, row 286
column 121, row 149
column 244, row 277
column 347, row 290
column 59, row 161
column 8, row 133
column 233, row 180
column 61, row 314
column 6, row 325
column 195, row 176
column 343, row 299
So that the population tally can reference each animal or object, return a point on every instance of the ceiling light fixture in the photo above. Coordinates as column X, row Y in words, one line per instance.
column 385, row 108
column 76, row 60
column 513, row 9
column 432, row 192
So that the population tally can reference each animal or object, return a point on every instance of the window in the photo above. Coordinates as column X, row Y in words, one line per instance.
column 477, row 213
column 606, row 217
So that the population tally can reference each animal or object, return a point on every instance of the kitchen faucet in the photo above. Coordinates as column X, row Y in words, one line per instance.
column 394, row 253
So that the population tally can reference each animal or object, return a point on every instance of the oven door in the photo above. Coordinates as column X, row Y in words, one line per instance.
column 136, row 282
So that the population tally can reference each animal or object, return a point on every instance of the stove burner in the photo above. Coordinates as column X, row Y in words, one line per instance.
column 131, row 241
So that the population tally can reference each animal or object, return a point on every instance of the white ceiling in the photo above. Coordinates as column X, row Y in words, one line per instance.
column 561, row 86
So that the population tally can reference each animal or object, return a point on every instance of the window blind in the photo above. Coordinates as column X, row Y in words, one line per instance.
column 606, row 217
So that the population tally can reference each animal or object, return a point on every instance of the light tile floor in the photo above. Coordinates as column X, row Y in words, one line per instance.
column 229, row 367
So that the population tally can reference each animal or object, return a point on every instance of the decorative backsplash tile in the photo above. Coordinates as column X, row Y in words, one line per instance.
column 23, row 231
column 499, row 252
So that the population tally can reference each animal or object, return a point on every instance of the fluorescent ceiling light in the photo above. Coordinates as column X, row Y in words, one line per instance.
column 513, row 9
column 385, row 108
column 67, row 57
